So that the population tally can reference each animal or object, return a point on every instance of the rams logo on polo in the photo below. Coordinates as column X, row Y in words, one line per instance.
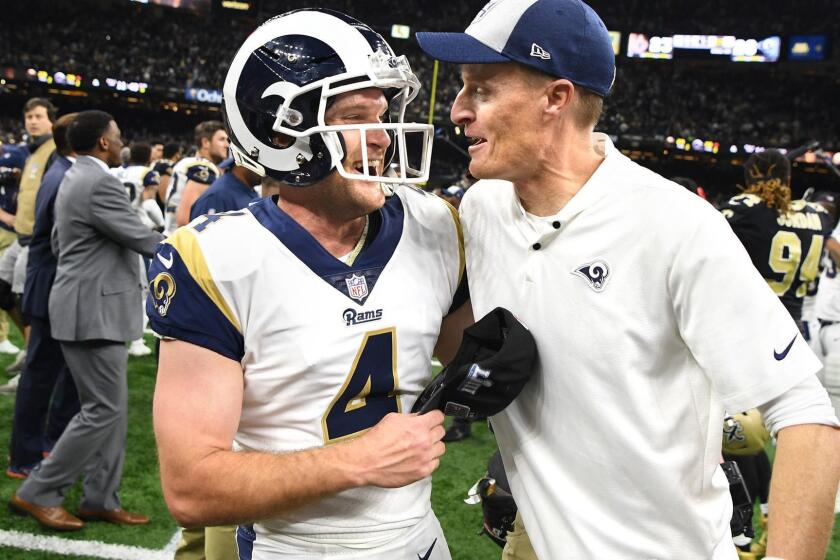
column 596, row 274
column 163, row 290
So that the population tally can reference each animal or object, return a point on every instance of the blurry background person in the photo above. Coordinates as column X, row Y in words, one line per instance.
column 171, row 156
column 93, row 313
column 12, row 160
column 46, row 397
column 141, row 183
column 38, row 115
column 234, row 190
column 193, row 175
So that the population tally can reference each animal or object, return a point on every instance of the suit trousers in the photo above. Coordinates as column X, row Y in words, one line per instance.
column 94, row 442
column 46, row 398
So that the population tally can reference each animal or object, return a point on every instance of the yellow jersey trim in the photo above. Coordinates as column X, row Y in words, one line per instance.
column 460, row 232
column 184, row 241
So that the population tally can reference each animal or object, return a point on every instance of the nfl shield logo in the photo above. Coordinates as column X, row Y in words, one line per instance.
column 357, row 287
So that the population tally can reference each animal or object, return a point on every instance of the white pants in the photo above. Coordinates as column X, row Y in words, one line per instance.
column 812, row 329
column 13, row 266
column 424, row 541
column 830, row 374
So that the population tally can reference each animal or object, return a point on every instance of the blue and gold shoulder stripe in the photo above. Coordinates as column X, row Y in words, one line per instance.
column 185, row 302
column 201, row 171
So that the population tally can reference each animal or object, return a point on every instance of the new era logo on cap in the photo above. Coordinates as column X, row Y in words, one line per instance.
column 539, row 52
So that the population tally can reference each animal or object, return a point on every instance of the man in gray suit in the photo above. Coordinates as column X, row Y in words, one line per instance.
column 93, row 311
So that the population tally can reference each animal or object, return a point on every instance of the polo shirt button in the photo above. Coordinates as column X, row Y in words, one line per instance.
column 536, row 246
column 556, row 224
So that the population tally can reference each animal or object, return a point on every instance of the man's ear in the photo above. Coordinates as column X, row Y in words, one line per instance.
column 103, row 143
column 559, row 94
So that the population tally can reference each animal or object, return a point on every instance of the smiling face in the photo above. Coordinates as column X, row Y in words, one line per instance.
column 355, row 108
column 500, row 108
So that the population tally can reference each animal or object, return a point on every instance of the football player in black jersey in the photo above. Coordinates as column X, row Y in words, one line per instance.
column 784, row 239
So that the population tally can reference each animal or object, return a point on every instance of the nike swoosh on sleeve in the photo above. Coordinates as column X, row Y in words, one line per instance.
column 783, row 354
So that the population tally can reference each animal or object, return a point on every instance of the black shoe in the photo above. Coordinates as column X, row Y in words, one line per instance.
column 459, row 430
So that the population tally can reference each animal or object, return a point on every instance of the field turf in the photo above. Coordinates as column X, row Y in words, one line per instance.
column 462, row 465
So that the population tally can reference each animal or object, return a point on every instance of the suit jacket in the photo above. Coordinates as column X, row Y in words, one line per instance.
column 97, row 235
column 40, row 266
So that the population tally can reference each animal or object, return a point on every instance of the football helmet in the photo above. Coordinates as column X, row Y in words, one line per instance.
column 283, row 79
column 744, row 434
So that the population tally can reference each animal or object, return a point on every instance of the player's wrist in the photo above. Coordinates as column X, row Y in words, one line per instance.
column 352, row 467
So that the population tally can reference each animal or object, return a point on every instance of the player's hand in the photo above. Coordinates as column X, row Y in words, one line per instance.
column 401, row 449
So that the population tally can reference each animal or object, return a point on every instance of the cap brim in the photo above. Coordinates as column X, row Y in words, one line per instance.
column 458, row 48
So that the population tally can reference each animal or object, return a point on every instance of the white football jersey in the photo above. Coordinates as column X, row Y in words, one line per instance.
column 649, row 319
column 327, row 349
column 827, row 306
column 195, row 169
column 135, row 179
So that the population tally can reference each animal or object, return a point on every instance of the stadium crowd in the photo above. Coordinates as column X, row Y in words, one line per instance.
column 653, row 99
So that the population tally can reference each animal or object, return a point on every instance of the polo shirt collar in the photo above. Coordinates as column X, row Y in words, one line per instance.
column 600, row 184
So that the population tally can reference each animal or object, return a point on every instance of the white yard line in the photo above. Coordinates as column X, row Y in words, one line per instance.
column 94, row 549
column 436, row 363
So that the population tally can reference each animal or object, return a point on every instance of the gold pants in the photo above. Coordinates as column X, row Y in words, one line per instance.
column 208, row 543
column 518, row 545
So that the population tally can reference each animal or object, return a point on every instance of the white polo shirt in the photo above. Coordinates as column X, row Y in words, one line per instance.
column 650, row 319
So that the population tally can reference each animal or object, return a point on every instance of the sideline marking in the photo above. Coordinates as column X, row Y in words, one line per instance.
column 94, row 549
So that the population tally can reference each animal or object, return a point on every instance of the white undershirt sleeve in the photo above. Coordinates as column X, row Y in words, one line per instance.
column 805, row 403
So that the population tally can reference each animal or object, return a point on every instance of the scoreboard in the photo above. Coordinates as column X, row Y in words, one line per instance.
column 668, row 47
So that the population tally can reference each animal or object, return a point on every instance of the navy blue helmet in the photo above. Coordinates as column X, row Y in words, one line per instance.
column 284, row 77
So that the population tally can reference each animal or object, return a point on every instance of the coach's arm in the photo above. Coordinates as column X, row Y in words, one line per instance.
column 452, row 331
column 197, row 406
column 806, row 471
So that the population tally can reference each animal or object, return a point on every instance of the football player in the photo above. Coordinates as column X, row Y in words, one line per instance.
column 163, row 166
column 810, row 319
column 141, row 183
column 784, row 238
column 192, row 175
column 299, row 331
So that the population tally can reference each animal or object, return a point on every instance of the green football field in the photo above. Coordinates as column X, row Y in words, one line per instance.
column 462, row 465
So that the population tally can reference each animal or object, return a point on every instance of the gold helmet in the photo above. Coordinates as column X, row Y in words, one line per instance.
column 744, row 434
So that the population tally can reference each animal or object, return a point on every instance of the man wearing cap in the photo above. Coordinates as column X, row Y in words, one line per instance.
column 649, row 317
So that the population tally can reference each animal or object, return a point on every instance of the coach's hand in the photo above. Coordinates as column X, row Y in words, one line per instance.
column 401, row 449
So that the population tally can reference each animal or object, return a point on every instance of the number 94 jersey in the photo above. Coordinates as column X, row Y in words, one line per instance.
column 327, row 349
column 785, row 248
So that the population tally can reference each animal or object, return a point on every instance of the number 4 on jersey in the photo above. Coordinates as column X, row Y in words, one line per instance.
column 369, row 392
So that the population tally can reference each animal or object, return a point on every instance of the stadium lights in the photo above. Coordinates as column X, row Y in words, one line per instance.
column 400, row 31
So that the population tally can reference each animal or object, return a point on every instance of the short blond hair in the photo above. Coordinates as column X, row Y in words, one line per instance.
column 588, row 105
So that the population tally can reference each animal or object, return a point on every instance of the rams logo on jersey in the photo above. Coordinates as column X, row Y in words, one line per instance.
column 353, row 317
column 163, row 290
column 596, row 273
column 202, row 174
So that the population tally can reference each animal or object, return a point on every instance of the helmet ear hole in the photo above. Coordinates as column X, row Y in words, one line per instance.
column 282, row 141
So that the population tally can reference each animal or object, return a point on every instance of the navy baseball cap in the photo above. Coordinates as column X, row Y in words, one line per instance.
column 562, row 38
